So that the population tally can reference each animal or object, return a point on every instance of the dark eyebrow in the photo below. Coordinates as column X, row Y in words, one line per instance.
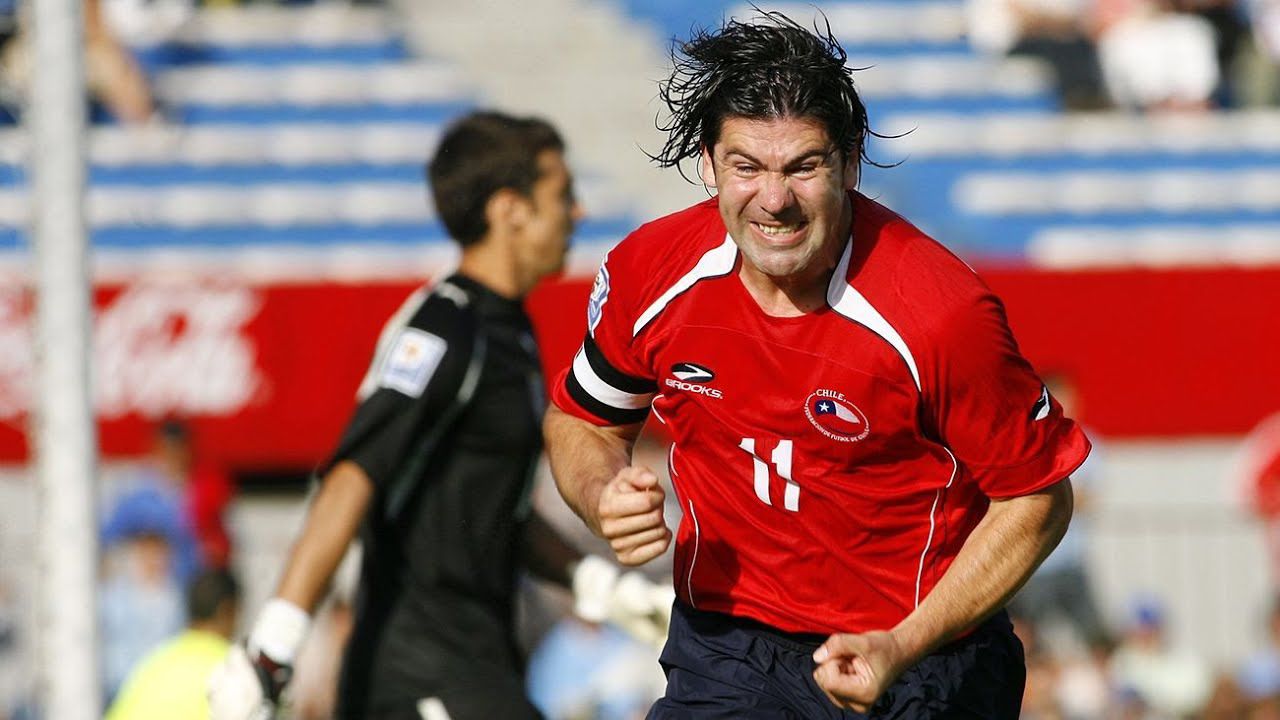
column 746, row 156
column 815, row 154
column 818, row 153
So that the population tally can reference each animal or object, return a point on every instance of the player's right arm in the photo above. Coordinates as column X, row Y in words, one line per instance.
column 414, row 379
column 599, row 404
column 619, row 502
column 249, row 683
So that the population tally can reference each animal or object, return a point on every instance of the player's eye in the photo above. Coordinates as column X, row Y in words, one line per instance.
column 745, row 170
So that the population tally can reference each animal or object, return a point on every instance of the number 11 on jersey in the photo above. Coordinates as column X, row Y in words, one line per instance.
column 781, row 459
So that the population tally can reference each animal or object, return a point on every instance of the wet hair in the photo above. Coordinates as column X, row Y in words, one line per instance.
column 208, row 591
column 480, row 154
column 767, row 69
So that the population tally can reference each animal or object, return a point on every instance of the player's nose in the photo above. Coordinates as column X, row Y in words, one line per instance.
column 775, row 196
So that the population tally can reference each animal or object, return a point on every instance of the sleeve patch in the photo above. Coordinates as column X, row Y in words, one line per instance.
column 599, row 295
column 1040, row 410
column 413, row 359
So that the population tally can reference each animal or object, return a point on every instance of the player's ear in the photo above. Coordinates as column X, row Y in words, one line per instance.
column 507, row 209
column 851, row 172
column 707, row 168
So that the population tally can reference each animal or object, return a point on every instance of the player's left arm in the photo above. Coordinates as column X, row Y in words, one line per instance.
column 1008, row 437
column 1010, row 542
column 547, row 553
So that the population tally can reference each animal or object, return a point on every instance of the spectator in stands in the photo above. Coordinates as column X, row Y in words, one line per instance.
column 1260, row 477
column 140, row 603
column 1156, row 59
column 1038, row 701
column 182, row 504
column 1171, row 682
column 114, row 77
column 1259, row 677
column 1231, row 32
column 1265, row 80
column 15, row 665
column 1055, row 31
column 169, row 684
column 1226, row 702
column 589, row 670
column 205, row 487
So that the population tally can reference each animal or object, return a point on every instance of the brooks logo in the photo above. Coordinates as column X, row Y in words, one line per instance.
column 689, row 372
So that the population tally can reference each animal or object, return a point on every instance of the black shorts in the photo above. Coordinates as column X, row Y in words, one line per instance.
column 720, row 666
column 475, row 692
column 452, row 703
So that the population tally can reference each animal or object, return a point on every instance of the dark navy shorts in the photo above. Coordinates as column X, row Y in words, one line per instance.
column 720, row 666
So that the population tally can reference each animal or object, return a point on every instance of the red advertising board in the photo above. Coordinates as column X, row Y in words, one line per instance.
column 266, row 373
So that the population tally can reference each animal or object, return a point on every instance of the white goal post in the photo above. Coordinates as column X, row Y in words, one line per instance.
column 64, row 438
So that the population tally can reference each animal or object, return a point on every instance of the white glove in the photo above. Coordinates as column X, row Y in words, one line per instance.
column 641, row 607
column 235, row 692
column 247, row 685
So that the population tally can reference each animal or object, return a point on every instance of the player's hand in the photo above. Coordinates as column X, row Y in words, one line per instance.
column 630, row 512
column 855, row 670
column 245, row 688
column 641, row 607
column 249, row 682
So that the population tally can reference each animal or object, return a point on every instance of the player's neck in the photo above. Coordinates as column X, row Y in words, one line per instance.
column 484, row 263
column 786, row 297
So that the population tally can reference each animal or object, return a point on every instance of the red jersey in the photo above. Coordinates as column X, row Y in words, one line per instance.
column 829, row 466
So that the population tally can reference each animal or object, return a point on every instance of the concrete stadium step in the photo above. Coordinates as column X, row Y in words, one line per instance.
column 159, row 238
column 262, row 24
column 1104, row 192
column 965, row 136
column 314, row 84
column 1156, row 246
column 915, row 77
column 263, row 200
column 340, row 114
column 918, row 23
column 159, row 57
column 1009, row 238
column 212, row 145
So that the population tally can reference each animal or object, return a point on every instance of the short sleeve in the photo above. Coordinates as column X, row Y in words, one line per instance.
column 991, row 409
column 608, row 383
column 413, row 380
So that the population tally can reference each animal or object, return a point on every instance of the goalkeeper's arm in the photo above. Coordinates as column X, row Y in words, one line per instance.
column 248, row 685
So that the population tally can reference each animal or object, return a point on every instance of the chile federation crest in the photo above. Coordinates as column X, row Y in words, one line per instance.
column 836, row 417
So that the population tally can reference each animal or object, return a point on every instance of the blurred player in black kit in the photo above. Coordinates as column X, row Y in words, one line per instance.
column 435, row 469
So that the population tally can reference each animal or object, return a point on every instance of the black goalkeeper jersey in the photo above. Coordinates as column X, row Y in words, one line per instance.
column 449, row 430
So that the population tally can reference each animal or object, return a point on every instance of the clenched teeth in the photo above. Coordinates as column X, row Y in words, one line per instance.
column 778, row 229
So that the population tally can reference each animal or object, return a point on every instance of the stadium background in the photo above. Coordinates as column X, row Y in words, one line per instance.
column 250, row 240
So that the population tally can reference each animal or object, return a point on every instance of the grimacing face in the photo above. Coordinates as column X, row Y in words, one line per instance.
column 546, row 235
column 782, row 186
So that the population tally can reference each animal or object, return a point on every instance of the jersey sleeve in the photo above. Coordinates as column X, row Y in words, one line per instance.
column 608, row 382
column 991, row 409
column 414, row 379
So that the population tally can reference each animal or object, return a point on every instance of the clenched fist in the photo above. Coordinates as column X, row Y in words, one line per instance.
column 630, row 513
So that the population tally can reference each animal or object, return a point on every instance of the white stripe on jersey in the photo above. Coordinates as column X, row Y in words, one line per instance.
column 937, row 497
column 603, row 391
column 386, row 339
column 714, row 263
column 846, row 300
column 391, row 332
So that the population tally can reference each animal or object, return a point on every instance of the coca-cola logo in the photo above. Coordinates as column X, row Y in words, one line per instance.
column 158, row 349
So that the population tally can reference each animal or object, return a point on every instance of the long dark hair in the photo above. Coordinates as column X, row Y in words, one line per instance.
column 771, row 68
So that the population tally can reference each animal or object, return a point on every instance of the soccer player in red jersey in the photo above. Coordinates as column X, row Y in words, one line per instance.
column 868, row 468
